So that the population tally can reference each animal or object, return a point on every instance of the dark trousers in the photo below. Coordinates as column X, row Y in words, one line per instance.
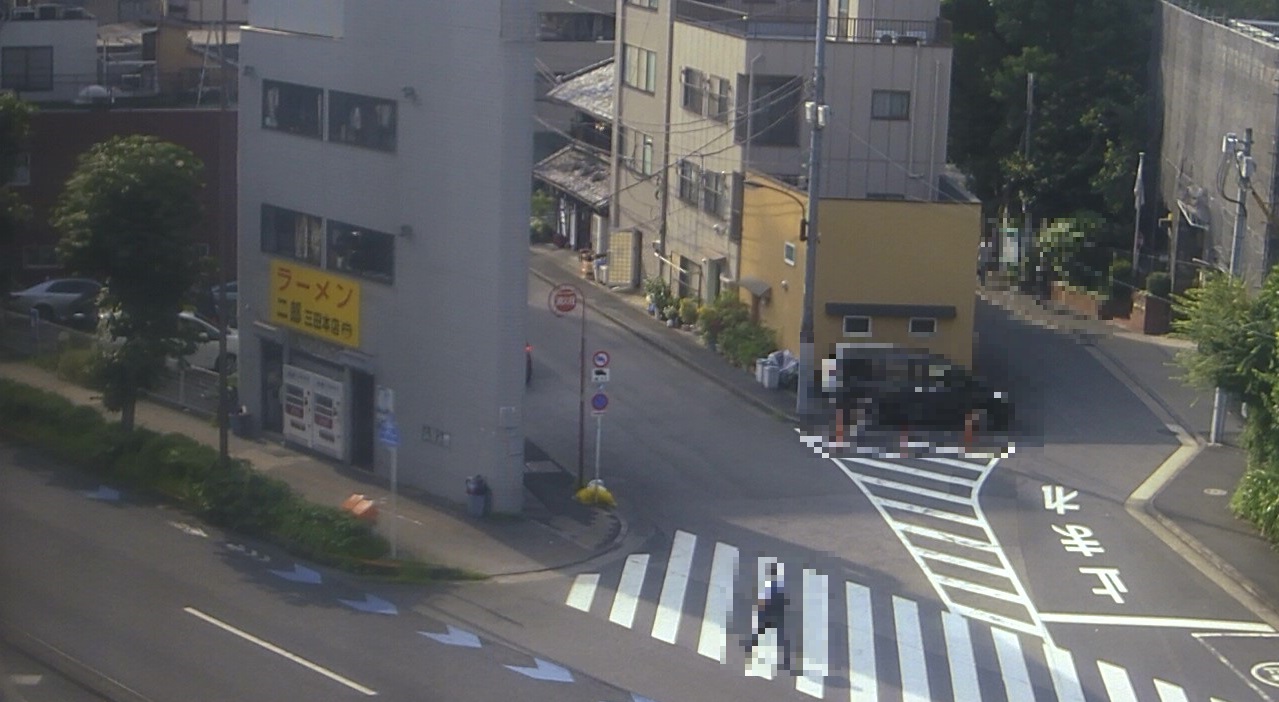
column 772, row 618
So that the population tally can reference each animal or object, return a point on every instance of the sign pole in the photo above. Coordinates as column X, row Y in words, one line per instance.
column 395, row 510
column 581, row 403
column 599, row 429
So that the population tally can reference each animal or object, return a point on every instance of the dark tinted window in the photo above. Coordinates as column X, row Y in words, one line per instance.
column 361, row 251
column 362, row 121
column 26, row 68
column 293, row 234
column 291, row 108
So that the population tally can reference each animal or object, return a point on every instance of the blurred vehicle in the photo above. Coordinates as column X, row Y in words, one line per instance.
column 898, row 387
column 57, row 299
column 207, row 301
column 204, row 334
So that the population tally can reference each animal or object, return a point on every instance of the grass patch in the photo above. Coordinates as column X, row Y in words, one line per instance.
column 188, row 473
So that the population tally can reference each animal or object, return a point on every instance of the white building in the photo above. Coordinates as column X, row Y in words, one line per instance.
column 385, row 147
column 48, row 52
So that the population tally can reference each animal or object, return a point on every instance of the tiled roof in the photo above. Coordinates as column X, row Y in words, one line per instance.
column 589, row 90
column 577, row 171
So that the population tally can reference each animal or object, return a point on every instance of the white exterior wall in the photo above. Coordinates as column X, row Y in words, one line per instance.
column 75, row 56
column 448, row 334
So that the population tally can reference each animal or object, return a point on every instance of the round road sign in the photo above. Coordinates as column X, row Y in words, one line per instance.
column 1267, row 673
column 599, row 402
column 563, row 299
column 600, row 359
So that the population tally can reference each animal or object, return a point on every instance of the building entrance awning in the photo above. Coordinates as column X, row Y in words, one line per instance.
column 758, row 288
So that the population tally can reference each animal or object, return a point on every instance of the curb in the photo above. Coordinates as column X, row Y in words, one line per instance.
column 76, row 672
column 615, row 319
column 624, row 529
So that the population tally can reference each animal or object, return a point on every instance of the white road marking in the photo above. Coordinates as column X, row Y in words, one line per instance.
column 978, row 589
column 26, row 679
column 1118, row 687
column 929, row 512
column 966, row 465
column 959, row 651
column 1169, row 622
column 670, row 603
column 963, row 562
column 915, row 490
column 713, row 642
column 1169, row 692
column 582, row 594
column 910, row 651
column 1065, row 678
column 916, row 472
column 862, row 680
column 628, row 589
column 1012, row 665
column 949, row 537
column 815, row 663
column 279, row 651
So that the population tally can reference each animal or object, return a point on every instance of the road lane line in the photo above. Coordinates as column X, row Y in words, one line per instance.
column 713, row 642
column 670, row 603
column 1118, row 687
column 582, row 594
column 910, row 651
column 1169, row 622
column 862, row 681
column 963, row 562
column 959, row 651
column 929, row 512
column 956, row 463
column 1012, row 665
column 916, row 472
column 1065, row 677
column 628, row 590
column 1169, row 692
column 976, row 589
column 948, row 537
column 915, row 490
column 279, row 651
column 982, row 615
column 814, row 664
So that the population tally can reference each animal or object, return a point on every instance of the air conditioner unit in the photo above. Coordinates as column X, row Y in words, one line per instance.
column 74, row 13
column 23, row 13
column 912, row 37
column 48, row 11
column 885, row 36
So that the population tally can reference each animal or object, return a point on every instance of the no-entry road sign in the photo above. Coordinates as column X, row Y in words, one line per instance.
column 564, row 299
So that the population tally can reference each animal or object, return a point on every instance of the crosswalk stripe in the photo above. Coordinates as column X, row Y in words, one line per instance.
column 948, row 537
column 909, row 470
column 1169, row 692
column 811, row 682
column 915, row 490
column 962, row 562
column 977, row 589
column 1012, row 664
column 1118, row 687
column 1065, row 678
column 997, row 619
column 910, row 651
column 963, row 664
column 628, row 589
column 862, row 682
column 956, row 463
column 713, row 642
column 671, row 602
column 929, row 512
column 582, row 594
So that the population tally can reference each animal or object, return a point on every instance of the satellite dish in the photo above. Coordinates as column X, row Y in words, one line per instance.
column 92, row 94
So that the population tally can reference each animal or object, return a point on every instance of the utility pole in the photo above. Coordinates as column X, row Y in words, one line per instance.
column 1026, row 196
column 223, row 377
column 816, row 112
column 1241, row 152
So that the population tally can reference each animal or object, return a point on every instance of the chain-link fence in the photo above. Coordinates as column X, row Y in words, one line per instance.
column 68, row 352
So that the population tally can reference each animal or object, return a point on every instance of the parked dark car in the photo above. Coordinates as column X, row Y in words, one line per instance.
column 900, row 387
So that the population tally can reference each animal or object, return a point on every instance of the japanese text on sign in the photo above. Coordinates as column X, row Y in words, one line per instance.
column 315, row 302
column 1079, row 539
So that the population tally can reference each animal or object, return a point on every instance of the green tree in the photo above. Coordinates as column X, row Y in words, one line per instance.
column 126, row 217
column 15, row 126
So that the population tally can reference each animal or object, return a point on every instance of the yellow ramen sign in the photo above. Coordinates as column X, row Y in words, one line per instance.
column 315, row 302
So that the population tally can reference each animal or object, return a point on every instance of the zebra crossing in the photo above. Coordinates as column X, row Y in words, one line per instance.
column 849, row 642
column 930, row 502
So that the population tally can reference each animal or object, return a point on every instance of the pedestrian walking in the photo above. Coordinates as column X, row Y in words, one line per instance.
column 770, row 612
column 983, row 260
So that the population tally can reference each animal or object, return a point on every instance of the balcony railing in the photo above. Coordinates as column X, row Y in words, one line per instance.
column 839, row 29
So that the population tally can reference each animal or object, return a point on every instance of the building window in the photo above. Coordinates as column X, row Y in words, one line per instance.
column 640, row 68
column 689, row 181
column 296, row 109
column 362, row 252
column 890, row 104
column 855, row 325
column 26, row 68
column 788, row 253
column 714, row 193
column 646, row 4
column 694, row 97
column 719, row 99
column 362, row 121
column 41, row 256
column 21, row 169
column 202, row 250
column 923, row 326
column 574, row 26
column 772, row 112
column 293, row 234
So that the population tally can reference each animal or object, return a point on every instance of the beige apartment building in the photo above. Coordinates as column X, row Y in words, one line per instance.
column 707, row 91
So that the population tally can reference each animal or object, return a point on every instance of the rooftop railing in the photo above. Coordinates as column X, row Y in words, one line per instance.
column 767, row 25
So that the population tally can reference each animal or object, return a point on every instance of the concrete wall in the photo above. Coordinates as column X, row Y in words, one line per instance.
column 75, row 56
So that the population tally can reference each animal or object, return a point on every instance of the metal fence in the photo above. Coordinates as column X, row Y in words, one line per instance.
column 59, row 348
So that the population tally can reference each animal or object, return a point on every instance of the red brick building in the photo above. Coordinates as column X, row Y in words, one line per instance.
column 58, row 137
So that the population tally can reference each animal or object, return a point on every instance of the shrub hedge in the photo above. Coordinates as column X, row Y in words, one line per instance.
column 234, row 496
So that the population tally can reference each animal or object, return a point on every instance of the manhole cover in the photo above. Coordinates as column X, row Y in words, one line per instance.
column 1214, row 492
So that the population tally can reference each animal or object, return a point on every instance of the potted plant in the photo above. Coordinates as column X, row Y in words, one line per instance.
column 688, row 308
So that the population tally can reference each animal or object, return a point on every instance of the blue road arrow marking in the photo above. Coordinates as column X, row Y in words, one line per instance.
column 639, row 698
column 544, row 671
column 102, row 493
column 455, row 637
column 300, row 574
column 372, row 604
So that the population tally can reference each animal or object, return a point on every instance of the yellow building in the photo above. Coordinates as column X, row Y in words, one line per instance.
column 888, row 271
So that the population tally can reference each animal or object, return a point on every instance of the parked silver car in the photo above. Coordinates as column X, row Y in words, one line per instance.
column 57, row 299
